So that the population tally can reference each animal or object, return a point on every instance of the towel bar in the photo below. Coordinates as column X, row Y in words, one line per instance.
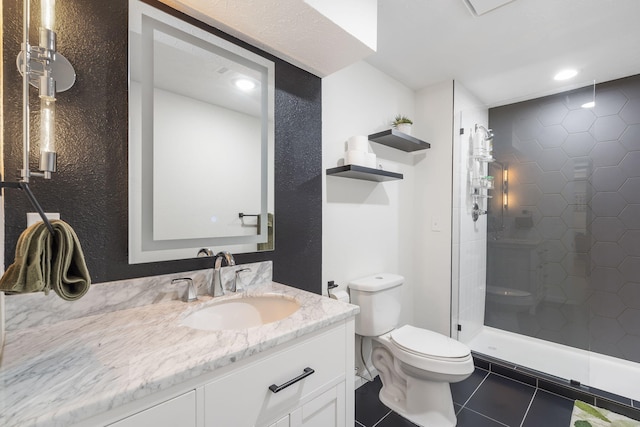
column 242, row 215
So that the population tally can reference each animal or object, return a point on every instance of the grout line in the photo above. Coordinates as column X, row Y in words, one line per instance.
column 514, row 380
column 489, row 418
column 380, row 420
column 360, row 424
column 535, row 391
column 474, row 391
column 556, row 394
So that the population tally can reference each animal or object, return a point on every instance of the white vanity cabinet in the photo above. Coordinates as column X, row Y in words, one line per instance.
column 243, row 397
column 239, row 394
column 328, row 409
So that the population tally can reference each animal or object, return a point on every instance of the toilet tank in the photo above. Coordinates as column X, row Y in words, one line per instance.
column 378, row 297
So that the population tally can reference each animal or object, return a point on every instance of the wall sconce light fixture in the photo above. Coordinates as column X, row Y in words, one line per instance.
column 505, row 187
column 46, row 69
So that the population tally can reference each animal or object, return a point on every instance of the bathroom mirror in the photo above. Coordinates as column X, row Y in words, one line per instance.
column 201, row 140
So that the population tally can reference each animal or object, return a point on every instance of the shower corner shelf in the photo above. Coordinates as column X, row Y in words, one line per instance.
column 401, row 141
column 364, row 173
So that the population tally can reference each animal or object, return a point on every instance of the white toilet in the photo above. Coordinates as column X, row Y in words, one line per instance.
column 515, row 300
column 416, row 365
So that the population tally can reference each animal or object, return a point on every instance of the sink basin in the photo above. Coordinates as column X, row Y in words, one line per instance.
column 241, row 313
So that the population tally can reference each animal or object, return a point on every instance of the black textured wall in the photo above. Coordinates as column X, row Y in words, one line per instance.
column 90, row 188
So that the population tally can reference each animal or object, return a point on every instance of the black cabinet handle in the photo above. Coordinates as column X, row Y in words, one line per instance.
column 276, row 388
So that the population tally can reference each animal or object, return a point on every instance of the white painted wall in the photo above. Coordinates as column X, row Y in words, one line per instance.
column 470, row 238
column 431, row 237
column 366, row 225
column 403, row 226
column 373, row 227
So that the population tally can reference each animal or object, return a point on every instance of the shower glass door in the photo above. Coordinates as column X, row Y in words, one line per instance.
column 555, row 261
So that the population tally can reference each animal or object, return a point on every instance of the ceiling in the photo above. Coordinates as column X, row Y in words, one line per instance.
column 511, row 53
column 505, row 55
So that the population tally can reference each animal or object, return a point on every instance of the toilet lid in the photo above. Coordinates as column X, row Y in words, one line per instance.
column 507, row 292
column 428, row 343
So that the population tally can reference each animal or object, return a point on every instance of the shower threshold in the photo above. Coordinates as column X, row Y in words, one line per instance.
column 607, row 373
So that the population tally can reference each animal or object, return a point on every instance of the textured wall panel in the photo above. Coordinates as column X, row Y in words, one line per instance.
column 581, row 187
column 90, row 188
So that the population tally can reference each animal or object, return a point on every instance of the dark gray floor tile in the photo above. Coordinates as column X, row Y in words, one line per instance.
column 395, row 420
column 549, row 410
column 627, row 411
column 568, row 391
column 481, row 363
column 467, row 418
column 457, row 408
column 462, row 390
column 601, row 394
column 369, row 409
column 502, row 399
column 514, row 374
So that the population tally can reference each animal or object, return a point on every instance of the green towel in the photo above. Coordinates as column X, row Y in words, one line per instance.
column 43, row 263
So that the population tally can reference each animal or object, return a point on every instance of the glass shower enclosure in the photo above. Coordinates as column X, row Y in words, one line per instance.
column 558, row 244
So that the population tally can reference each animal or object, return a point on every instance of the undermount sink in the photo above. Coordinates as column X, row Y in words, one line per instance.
column 241, row 313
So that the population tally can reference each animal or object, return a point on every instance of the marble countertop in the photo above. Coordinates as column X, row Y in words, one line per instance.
column 60, row 374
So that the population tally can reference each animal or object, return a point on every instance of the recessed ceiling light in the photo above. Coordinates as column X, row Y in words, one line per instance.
column 245, row 84
column 565, row 74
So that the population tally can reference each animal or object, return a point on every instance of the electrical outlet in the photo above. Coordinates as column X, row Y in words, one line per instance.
column 33, row 217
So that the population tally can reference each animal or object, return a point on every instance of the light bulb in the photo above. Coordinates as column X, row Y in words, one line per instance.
column 47, row 125
column 48, row 14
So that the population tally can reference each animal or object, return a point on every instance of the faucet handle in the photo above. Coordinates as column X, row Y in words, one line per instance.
column 235, row 279
column 192, row 293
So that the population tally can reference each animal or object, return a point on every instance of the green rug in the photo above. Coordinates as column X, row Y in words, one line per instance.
column 585, row 415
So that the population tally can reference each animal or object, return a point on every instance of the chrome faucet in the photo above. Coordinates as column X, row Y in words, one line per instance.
column 222, row 259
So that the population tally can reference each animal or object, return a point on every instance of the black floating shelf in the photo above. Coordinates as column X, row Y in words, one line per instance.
column 361, row 172
column 395, row 139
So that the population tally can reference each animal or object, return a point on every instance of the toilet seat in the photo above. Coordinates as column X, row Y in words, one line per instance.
column 507, row 292
column 429, row 344
column 415, row 344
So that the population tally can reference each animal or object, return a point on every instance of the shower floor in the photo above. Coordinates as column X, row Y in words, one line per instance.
column 616, row 376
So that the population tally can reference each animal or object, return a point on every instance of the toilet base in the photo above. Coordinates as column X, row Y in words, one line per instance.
column 423, row 402
column 429, row 404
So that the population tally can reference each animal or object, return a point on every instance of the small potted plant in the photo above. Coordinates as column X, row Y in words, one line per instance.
column 402, row 123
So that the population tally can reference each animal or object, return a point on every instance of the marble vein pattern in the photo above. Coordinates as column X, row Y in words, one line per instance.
column 36, row 309
column 66, row 371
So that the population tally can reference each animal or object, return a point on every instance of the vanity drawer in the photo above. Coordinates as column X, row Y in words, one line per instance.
column 243, row 397
column 179, row 411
